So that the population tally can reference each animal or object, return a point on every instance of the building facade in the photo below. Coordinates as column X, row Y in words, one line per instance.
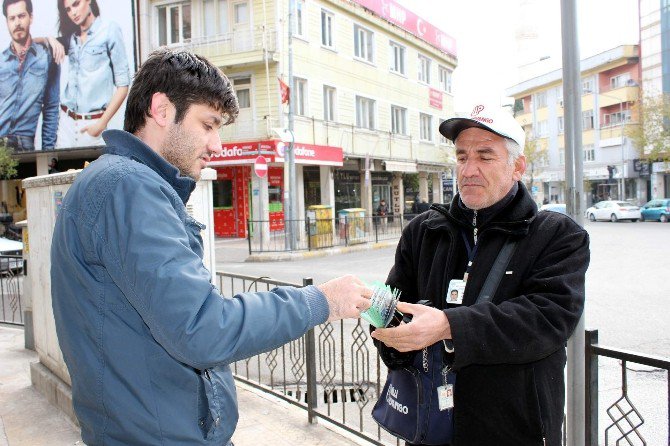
column 371, row 83
column 609, row 91
column 655, row 74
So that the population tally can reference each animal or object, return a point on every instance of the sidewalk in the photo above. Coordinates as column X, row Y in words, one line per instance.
column 28, row 419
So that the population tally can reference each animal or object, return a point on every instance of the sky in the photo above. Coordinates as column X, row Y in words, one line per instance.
column 489, row 58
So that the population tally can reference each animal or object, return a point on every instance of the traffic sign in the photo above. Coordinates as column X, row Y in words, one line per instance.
column 261, row 167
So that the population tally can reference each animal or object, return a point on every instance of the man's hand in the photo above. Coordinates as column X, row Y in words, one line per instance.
column 347, row 296
column 428, row 326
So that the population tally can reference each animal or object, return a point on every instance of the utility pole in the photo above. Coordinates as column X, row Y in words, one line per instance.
column 292, row 202
column 574, row 172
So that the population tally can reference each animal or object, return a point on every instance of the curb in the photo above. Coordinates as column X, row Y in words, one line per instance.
column 289, row 256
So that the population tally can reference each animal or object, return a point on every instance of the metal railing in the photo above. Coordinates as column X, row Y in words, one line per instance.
column 625, row 416
column 314, row 234
column 333, row 372
column 11, row 285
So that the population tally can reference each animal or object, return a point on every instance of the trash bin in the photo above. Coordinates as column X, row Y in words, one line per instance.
column 352, row 225
column 320, row 226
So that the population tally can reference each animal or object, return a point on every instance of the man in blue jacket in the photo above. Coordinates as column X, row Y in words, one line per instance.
column 146, row 337
column 29, row 83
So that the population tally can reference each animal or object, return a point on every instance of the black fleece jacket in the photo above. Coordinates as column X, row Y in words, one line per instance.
column 510, row 352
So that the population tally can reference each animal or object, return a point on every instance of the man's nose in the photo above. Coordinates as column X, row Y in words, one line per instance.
column 214, row 144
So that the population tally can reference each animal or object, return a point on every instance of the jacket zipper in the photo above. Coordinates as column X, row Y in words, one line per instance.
column 474, row 225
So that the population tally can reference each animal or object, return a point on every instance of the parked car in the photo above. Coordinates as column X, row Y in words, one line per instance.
column 613, row 211
column 656, row 210
column 10, row 248
column 555, row 207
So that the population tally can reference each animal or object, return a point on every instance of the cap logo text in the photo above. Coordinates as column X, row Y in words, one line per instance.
column 477, row 110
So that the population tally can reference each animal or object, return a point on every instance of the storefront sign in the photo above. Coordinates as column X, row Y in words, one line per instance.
column 274, row 151
column 407, row 20
column 435, row 98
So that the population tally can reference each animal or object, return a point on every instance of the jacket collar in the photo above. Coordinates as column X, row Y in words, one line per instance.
column 126, row 144
column 513, row 217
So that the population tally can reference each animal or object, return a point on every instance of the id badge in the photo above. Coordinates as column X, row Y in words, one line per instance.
column 445, row 397
column 455, row 292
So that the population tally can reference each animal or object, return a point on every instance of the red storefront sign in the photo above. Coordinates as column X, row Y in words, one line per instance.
column 274, row 150
column 435, row 98
column 407, row 20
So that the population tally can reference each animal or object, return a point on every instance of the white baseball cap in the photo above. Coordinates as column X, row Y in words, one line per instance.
column 493, row 119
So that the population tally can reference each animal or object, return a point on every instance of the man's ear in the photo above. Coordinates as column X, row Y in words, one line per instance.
column 161, row 109
column 519, row 168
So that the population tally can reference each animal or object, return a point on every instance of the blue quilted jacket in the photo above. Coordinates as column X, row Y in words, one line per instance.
column 146, row 337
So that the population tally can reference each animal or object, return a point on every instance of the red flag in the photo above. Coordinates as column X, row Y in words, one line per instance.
column 285, row 91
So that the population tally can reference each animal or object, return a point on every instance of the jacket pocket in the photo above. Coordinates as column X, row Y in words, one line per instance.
column 210, row 418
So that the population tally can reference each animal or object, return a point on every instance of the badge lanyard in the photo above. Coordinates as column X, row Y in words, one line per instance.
column 472, row 251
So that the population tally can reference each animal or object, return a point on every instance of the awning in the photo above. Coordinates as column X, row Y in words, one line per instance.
column 400, row 166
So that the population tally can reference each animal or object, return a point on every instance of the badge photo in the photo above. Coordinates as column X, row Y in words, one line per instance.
column 455, row 292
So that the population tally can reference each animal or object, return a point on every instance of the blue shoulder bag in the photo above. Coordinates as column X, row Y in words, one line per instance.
column 408, row 406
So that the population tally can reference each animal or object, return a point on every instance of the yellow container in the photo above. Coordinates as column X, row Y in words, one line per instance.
column 320, row 226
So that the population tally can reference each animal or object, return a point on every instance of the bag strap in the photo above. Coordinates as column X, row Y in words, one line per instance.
column 497, row 271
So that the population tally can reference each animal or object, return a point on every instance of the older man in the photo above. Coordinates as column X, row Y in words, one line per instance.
column 509, row 353
column 30, row 83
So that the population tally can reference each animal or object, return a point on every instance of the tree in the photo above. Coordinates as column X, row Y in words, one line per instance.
column 652, row 136
column 7, row 163
column 536, row 156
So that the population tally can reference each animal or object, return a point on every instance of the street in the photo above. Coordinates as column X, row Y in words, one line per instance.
column 626, row 289
column 626, row 284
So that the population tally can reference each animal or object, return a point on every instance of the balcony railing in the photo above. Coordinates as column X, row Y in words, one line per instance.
column 241, row 41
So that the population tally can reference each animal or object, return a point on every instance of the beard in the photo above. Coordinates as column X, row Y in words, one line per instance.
column 181, row 150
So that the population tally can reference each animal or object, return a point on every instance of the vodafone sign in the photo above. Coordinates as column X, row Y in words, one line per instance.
column 274, row 151
column 261, row 167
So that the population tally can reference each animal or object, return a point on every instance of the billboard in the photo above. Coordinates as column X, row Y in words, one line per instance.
column 65, row 71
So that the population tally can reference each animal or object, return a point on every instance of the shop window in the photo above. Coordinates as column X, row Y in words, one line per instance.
column 223, row 194
column 312, row 179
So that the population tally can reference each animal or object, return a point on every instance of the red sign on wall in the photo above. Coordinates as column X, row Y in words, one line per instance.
column 407, row 20
column 435, row 98
column 274, row 152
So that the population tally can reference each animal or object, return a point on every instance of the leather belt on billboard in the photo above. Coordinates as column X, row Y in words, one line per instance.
column 87, row 116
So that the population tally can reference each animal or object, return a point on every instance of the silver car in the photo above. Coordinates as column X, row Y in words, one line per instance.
column 613, row 211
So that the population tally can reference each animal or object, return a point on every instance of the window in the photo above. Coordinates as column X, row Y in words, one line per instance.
column 397, row 58
column 425, row 127
column 589, row 152
column 242, row 87
column 174, row 23
column 561, row 125
column 619, row 81
column 587, row 120
column 364, row 43
column 616, row 118
column 299, row 20
column 241, row 13
column 398, row 120
column 561, row 156
column 542, row 128
column 365, row 113
column 329, row 103
column 541, row 99
column 300, row 96
column 443, row 139
column 327, row 19
column 215, row 17
column 559, row 95
column 424, row 69
column 445, row 79
column 587, row 86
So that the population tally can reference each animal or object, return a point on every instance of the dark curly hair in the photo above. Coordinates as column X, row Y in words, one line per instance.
column 186, row 79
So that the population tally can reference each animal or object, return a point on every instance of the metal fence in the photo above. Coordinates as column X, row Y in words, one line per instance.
column 335, row 373
column 11, row 285
column 625, row 418
column 314, row 234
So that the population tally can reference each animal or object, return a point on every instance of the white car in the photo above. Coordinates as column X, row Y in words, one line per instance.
column 613, row 211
